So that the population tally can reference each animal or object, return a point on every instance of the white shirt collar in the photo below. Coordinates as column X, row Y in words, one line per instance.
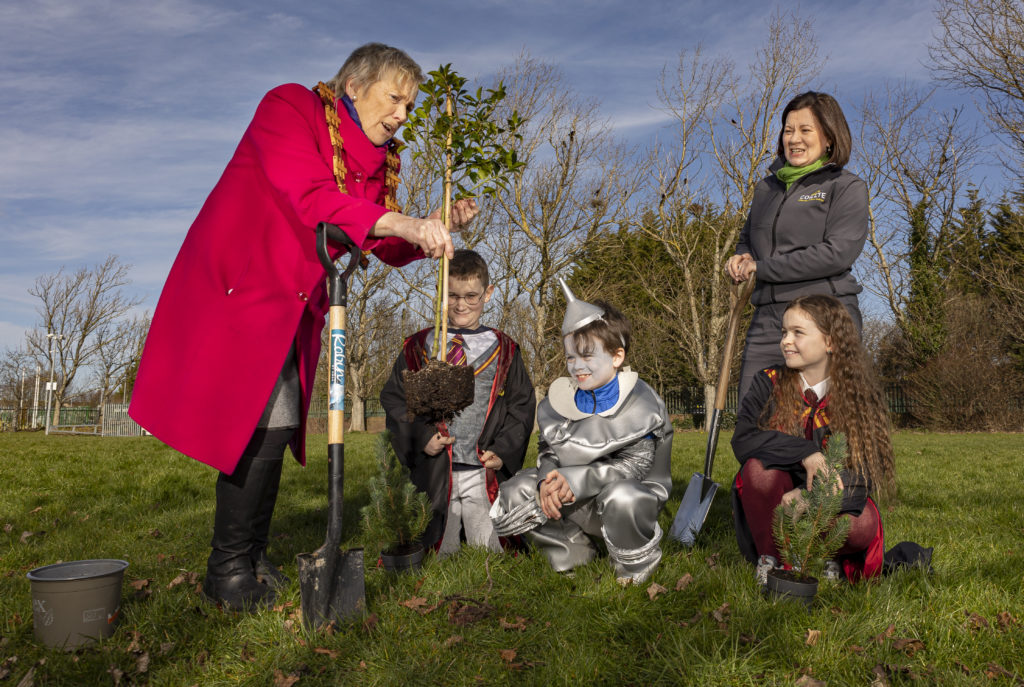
column 820, row 389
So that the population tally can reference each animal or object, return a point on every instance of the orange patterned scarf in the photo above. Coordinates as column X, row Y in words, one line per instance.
column 333, row 125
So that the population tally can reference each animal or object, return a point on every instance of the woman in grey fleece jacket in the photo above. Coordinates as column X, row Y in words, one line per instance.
column 806, row 227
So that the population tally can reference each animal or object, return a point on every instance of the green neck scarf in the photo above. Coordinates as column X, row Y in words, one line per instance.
column 788, row 174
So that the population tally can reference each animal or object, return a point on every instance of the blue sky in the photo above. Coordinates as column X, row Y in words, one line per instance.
column 117, row 117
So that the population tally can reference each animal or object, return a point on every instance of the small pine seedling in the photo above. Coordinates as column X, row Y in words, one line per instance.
column 809, row 530
column 397, row 513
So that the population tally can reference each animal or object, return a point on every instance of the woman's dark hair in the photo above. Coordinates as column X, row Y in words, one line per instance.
column 832, row 121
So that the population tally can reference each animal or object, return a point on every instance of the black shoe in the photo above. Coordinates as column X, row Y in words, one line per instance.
column 267, row 573
column 233, row 586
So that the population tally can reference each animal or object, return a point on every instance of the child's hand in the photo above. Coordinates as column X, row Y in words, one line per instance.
column 554, row 492
column 815, row 463
column 793, row 496
column 437, row 444
column 491, row 460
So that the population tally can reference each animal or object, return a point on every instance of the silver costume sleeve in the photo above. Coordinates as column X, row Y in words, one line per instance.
column 629, row 462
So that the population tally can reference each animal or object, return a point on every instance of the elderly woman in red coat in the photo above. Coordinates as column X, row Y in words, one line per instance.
column 228, row 365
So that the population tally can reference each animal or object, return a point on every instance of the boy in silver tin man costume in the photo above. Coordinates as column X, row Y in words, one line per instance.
column 603, row 458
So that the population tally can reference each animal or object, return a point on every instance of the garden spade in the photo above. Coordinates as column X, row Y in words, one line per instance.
column 697, row 500
column 332, row 582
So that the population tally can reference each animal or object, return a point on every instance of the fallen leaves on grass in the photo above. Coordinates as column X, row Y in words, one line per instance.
column 519, row 624
column 712, row 561
column 330, row 653
column 654, row 590
column 808, row 681
column 721, row 614
column 415, row 603
column 155, row 533
column 886, row 633
column 884, row 671
column 1006, row 621
column 142, row 662
column 134, row 645
column 908, row 645
column 8, row 527
column 509, row 657
column 994, row 670
column 452, row 641
column 812, row 637
column 280, row 608
column 975, row 621
column 282, row 680
column 691, row 621
column 141, row 587
column 5, row 667
column 419, row 604
column 190, row 577
column 684, row 582
column 855, row 648
column 35, row 510
column 166, row 648
column 465, row 611
column 370, row 624
column 25, row 536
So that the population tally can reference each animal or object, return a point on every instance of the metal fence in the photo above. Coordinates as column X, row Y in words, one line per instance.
column 74, row 420
column 116, row 423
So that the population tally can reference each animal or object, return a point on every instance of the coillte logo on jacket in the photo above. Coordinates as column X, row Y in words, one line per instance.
column 818, row 196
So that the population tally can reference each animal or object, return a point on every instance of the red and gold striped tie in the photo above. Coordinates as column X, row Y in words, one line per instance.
column 456, row 352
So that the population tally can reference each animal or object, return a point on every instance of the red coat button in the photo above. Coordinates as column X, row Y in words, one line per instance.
column 303, row 296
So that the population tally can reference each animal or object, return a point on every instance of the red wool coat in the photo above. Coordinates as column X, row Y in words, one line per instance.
column 247, row 282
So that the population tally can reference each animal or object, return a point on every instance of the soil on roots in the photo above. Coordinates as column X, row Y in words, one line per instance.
column 438, row 390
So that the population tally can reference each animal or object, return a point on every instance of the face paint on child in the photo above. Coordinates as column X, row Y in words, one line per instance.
column 594, row 368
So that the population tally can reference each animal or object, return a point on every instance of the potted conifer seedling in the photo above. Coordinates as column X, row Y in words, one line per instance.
column 809, row 531
column 460, row 141
column 397, row 513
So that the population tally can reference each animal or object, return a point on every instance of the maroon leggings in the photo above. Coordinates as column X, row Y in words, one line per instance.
column 762, row 492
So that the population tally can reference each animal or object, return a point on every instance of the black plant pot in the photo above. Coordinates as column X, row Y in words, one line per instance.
column 403, row 558
column 783, row 584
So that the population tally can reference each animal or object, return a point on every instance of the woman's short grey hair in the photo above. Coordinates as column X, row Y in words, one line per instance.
column 372, row 62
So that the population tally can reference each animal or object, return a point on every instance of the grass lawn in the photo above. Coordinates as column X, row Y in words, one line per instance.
column 491, row 619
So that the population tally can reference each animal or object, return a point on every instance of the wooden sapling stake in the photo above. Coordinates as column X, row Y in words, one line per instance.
column 475, row 165
column 446, row 217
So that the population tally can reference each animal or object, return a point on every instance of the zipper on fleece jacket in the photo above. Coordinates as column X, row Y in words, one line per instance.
column 775, row 221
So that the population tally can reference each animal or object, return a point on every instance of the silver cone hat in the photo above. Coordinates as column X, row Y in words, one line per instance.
column 577, row 313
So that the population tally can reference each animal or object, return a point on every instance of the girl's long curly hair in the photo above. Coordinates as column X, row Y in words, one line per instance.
column 856, row 404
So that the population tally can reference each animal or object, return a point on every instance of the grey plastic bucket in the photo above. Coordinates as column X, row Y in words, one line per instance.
column 77, row 602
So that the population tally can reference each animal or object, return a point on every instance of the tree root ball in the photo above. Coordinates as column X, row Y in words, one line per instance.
column 438, row 390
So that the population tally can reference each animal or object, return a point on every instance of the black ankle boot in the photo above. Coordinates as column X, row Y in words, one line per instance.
column 230, row 578
column 232, row 584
